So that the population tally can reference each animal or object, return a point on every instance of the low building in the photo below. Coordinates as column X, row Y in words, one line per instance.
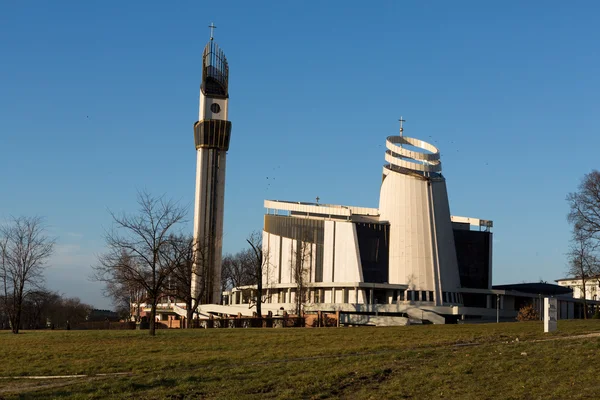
column 592, row 287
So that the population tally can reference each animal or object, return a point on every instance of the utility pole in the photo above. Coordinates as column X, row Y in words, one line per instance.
column 497, row 308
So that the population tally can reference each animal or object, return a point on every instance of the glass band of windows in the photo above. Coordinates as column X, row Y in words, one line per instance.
column 212, row 134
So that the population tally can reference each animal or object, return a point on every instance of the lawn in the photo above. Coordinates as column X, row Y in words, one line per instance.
column 495, row 361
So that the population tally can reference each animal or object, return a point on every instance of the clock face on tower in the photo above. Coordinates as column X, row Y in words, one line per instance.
column 215, row 108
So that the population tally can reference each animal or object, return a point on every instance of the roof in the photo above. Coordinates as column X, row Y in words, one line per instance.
column 597, row 277
column 320, row 209
column 536, row 288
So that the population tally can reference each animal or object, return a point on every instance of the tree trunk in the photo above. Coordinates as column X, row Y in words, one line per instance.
column 585, row 307
column 259, row 290
column 298, row 300
column 153, row 318
column 17, row 317
column 189, row 319
column 13, row 323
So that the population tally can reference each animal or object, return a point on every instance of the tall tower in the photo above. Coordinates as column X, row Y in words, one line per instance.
column 413, row 198
column 211, row 133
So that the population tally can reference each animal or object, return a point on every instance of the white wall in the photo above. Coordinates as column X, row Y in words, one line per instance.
column 341, row 257
column 347, row 265
column 592, row 288
column 422, row 252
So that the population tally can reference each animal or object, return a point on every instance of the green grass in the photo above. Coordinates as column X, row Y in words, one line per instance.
column 378, row 363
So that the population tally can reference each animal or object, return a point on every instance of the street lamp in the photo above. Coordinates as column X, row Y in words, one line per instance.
column 497, row 308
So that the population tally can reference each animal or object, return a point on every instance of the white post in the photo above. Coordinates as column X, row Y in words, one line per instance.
column 550, row 311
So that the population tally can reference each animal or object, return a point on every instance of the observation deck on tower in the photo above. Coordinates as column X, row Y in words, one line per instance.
column 215, row 71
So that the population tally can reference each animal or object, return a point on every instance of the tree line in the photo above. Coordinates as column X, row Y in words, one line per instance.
column 46, row 309
column 24, row 302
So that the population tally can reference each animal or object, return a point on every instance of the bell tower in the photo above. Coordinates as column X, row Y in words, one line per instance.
column 211, row 135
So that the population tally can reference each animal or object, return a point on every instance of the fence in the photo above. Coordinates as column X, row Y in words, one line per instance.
column 97, row 325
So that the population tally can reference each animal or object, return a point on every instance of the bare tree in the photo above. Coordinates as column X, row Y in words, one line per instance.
column 237, row 269
column 183, row 252
column 127, row 296
column 24, row 250
column 584, row 206
column 139, row 248
column 38, row 307
column 257, row 267
column 301, row 263
column 583, row 262
column 584, row 215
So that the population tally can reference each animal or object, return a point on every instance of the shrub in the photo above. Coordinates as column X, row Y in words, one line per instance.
column 528, row 313
column 596, row 314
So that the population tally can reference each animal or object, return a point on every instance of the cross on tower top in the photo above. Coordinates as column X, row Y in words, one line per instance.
column 212, row 30
column 401, row 128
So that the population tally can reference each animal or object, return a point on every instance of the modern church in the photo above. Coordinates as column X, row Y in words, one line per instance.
column 409, row 255
column 408, row 260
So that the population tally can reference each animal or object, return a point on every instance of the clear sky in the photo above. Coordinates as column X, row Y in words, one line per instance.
column 98, row 99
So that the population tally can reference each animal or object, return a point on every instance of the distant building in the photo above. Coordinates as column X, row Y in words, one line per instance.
column 592, row 287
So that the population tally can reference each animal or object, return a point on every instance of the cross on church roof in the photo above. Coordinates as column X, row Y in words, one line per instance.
column 212, row 30
column 401, row 128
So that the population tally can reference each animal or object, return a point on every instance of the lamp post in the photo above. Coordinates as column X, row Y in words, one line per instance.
column 497, row 308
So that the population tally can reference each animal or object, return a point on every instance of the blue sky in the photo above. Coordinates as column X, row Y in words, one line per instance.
column 98, row 99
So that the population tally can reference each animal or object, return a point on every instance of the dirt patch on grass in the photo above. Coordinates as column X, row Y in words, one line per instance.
column 25, row 386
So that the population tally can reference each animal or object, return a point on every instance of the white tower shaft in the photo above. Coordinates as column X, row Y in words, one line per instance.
column 212, row 134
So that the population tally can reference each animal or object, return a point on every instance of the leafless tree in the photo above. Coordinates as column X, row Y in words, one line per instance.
column 144, row 238
column 182, row 253
column 24, row 251
column 301, row 263
column 584, row 206
column 584, row 215
column 237, row 269
column 583, row 262
column 256, row 263
column 38, row 307
column 127, row 296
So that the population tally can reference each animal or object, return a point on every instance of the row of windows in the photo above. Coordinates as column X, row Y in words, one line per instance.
column 425, row 295
column 315, row 295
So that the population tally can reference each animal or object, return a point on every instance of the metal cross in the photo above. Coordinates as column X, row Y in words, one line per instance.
column 318, row 198
column 212, row 30
column 401, row 128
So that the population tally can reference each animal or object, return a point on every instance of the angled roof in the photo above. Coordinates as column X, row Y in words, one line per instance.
column 536, row 288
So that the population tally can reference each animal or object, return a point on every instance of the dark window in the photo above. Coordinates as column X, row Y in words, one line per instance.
column 473, row 257
column 430, row 295
column 373, row 246
column 423, row 295
column 476, row 300
column 401, row 295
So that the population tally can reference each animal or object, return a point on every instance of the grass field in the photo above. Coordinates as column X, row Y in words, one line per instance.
column 499, row 361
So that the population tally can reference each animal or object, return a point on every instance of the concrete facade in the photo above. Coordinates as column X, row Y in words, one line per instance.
column 400, row 255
